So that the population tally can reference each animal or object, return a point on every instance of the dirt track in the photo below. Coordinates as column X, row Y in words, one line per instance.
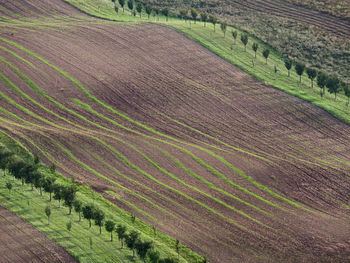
column 19, row 242
column 201, row 141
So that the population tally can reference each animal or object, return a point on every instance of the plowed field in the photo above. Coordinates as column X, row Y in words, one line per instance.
column 234, row 169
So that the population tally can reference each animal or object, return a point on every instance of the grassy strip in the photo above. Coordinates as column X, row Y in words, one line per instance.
column 78, row 244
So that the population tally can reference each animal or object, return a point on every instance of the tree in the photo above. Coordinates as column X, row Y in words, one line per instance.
column 131, row 5
column 183, row 14
column 69, row 226
column 69, row 195
column 255, row 47
column 110, row 226
column 346, row 89
column 98, row 216
column 39, row 183
column 311, row 73
column 88, row 211
column 142, row 247
column 48, row 213
column 58, row 193
column 122, row 4
column 148, row 10
column 153, row 256
column 9, row 187
column 139, row 8
column 156, row 12
column 78, row 207
column 177, row 248
column 165, row 12
column 288, row 64
column 223, row 27
column 299, row 69
column 167, row 260
column 321, row 82
column 53, row 168
column 91, row 245
column 121, row 232
column 194, row 14
column 5, row 158
column 131, row 240
column 205, row 260
column 244, row 39
column 266, row 54
column 154, row 233
column 49, row 185
column 36, row 159
column 204, row 18
column 333, row 85
column 234, row 35
column 133, row 219
column 214, row 20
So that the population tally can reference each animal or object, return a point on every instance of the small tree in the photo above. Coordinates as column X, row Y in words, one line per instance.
column 333, row 86
column 48, row 213
column 347, row 92
column 204, row 18
column 69, row 195
column 205, row 260
column 223, row 27
column 88, row 211
column 288, row 64
column 177, row 248
column 156, row 13
column 69, row 227
column 91, row 245
column 311, row 73
column 148, row 10
column 234, row 35
column 53, row 168
column 194, row 14
column 121, row 232
column 131, row 241
column 110, row 226
column 58, row 193
column 49, row 185
column 167, row 260
column 153, row 256
column 5, row 158
column 154, row 233
column 139, row 8
column 244, row 39
column 122, row 4
column 131, row 5
column 299, row 69
column 9, row 187
column 183, row 13
column 165, row 12
column 133, row 219
column 39, row 183
column 255, row 47
column 142, row 247
column 266, row 54
column 78, row 207
column 99, row 216
column 321, row 82
column 214, row 20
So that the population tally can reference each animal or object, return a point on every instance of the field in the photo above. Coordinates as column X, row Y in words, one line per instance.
column 165, row 129
column 22, row 243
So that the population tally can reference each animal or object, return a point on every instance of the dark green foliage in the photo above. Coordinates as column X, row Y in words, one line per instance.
column 49, row 185
column 110, row 226
column 255, row 47
column 177, row 248
column 39, row 182
column 311, row 73
column 148, row 10
column 346, row 89
column 205, row 260
column 131, row 5
column 142, row 247
column 5, row 158
column 88, row 212
column 223, row 27
column 69, row 195
column 322, row 81
column 183, row 13
column 194, row 14
column 288, row 63
column 333, row 85
column 234, row 35
column 131, row 240
column 48, row 213
column 244, row 39
column 204, row 18
column 53, row 168
column 153, row 256
column 98, row 216
column 133, row 219
column 214, row 20
column 9, row 187
column 165, row 12
column 167, row 260
column 36, row 159
column 266, row 54
column 122, row 4
column 78, row 207
column 139, row 8
column 69, row 226
column 121, row 232
column 58, row 193
column 299, row 69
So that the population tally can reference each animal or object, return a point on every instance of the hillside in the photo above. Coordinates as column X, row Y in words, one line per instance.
column 162, row 127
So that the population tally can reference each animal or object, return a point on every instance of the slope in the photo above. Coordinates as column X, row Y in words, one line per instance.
column 232, row 168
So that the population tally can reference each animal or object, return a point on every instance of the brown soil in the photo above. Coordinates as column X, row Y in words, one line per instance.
column 165, row 81
column 20, row 242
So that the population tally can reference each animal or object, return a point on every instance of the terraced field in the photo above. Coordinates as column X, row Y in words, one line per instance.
column 20, row 242
column 234, row 169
